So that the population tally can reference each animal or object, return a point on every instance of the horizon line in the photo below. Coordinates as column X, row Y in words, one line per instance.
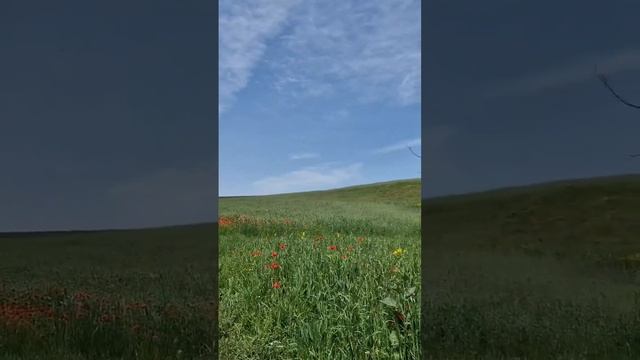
column 26, row 233
column 321, row 190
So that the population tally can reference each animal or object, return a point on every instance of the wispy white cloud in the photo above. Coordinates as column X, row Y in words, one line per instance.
column 402, row 145
column 370, row 48
column 309, row 178
column 245, row 27
column 570, row 73
column 304, row 156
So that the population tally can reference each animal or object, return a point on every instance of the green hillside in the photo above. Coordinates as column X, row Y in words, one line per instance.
column 543, row 271
column 594, row 219
column 399, row 192
column 347, row 261
column 147, row 293
column 131, row 294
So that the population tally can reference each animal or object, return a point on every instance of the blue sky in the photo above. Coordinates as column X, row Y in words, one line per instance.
column 108, row 108
column 317, row 94
column 108, row 114
column 512, row 85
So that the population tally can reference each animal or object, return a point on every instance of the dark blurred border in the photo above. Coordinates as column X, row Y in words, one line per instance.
column 423, row 245
column 216, row 334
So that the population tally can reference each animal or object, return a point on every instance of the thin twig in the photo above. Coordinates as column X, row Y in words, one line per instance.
column 605, row 82
column 413, row 152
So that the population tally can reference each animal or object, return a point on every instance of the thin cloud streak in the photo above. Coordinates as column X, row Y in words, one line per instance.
column 304, row 156
column 371, row 49
column 309, row 178
column 398, row 146
column 245, row 27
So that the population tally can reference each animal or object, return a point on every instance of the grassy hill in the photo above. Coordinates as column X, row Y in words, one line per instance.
column 134, row 294
column 543, row 271
column 348, row 267
column 398, row 192
column 147, row 293
column 593, row 220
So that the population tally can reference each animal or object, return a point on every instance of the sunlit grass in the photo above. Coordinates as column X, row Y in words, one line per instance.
column 311, row 276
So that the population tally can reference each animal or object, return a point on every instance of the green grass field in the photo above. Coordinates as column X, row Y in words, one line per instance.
column 143, row 294
column 542, row 272
column 321, row 275
column 549, row 271
column 147, row 294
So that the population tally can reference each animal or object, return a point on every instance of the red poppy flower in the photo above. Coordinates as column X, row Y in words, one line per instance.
column 283, row 246
column 344, row 257
column 400, row 319
column 225, row 222
column 360, row 239
column 81, row 296
column 276, row 285
column 274, row 254
column 332, row 248
column 105, row 318
column 273, row 266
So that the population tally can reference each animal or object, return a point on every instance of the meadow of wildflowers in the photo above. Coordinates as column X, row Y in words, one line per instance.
column 321, row 275
column 328, row 275
column 110, row 295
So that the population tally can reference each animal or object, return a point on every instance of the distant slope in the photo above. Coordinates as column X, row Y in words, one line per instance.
column 596, row 219
column 381, row 209
column 113, row 233
column 399, row 192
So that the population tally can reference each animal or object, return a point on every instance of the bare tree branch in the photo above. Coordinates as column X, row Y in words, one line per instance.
column 605, row 82
column 413, row 152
